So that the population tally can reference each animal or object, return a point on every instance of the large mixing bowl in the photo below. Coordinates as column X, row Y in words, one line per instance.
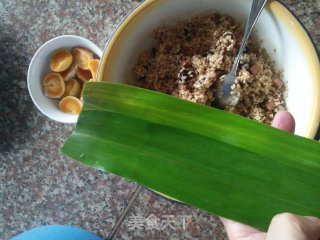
column 284, row 38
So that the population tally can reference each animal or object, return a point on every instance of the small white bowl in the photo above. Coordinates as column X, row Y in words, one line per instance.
column 39, row 67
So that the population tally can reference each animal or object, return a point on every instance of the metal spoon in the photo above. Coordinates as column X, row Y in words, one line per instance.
column 225, row 98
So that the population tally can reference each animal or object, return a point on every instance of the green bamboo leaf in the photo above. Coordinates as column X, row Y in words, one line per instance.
column 211, row 159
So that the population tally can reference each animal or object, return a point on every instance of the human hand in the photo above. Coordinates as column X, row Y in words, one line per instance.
column 283, row 226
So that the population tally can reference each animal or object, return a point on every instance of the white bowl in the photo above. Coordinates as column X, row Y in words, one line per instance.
column 39, row 67
column 278, row 28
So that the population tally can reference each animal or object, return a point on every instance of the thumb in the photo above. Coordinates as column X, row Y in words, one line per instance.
column 287, row 226
column 284, row 121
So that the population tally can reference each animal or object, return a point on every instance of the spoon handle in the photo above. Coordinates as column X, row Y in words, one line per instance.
column 256, row 9
column 125, row 212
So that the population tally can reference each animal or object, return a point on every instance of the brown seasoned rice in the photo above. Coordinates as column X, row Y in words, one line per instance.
column 189, row 57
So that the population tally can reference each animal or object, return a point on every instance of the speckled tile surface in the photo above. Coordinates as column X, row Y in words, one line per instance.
column 40, row 186
column 165, row 219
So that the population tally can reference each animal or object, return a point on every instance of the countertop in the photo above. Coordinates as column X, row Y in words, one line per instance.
column 40, row 186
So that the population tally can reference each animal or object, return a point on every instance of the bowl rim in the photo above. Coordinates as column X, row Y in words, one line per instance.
column 278, row 7
column 31, row 64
